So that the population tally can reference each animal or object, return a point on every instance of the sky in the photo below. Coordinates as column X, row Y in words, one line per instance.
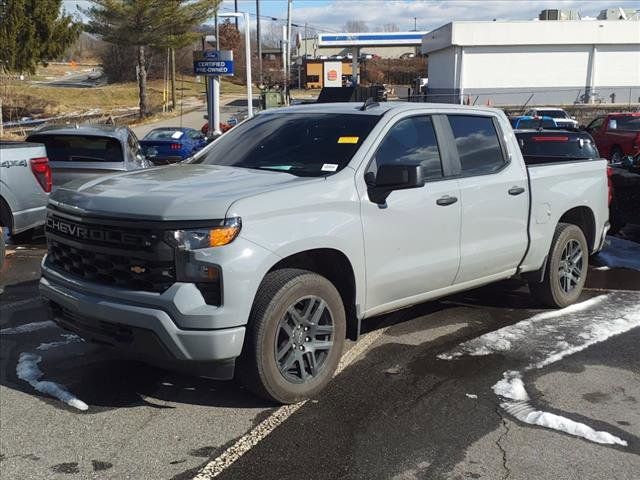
column 331, row 15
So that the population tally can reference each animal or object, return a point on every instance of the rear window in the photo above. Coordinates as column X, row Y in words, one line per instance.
column 626, row 123
column 164, row 134
column 477, row 143
column 80, row 148
column 552, row 113
column 543, row 147
column 309, row 144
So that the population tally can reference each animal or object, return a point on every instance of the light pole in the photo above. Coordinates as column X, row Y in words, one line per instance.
column 247, row 54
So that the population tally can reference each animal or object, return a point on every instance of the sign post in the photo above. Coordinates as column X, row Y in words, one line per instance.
column 213, row 64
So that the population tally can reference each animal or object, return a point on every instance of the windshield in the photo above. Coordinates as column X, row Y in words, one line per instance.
column 80, row 148
column 552, row 113
column 543, row 147
column 303, row 144
column 164, row 134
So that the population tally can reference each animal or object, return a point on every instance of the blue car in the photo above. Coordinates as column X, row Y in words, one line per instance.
column 526, row 122
column 172, row 144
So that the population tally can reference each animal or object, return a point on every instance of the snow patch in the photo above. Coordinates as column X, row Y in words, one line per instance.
column 603, row 269
column 620, row 253
column 27, row 327
column 512, row 388
column 70, row 338
column 503, row 340
column 543, row 340
column 471, row 395
column 27, row 370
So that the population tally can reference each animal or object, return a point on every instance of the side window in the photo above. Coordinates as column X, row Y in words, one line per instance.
column 134, row 146
column 477, row 143
column 411, row 141
column 596, row 124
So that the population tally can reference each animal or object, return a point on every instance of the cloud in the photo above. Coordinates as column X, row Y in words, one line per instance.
column 331, row 15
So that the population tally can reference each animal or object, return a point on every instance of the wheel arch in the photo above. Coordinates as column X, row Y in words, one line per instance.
column 335, row 266
column 6, row 217
column 584, row 218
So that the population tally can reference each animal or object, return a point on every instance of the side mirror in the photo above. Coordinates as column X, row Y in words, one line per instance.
column 393, row 177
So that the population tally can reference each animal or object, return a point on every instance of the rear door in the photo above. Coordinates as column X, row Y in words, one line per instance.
column 494, row 197
column 595, row 128
column 411, row 242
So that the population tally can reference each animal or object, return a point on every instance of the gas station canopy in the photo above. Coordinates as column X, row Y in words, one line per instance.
column 369, row 39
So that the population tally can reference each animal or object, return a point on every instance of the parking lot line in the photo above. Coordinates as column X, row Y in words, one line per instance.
column 252, row 438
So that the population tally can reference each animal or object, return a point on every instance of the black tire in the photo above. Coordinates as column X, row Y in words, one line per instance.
column 551, row 292
column 258, row 367
column 2, row 248
column 23, row 237
column 616, row 155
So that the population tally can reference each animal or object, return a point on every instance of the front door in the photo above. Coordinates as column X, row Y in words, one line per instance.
column 412, row 242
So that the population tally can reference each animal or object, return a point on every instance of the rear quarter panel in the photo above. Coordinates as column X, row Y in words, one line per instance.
column 19, row 188
column 556, row 189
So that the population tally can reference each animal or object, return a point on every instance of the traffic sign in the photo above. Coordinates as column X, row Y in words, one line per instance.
column 213, row 62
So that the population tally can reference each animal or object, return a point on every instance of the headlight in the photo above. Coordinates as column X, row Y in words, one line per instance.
column 193, row 239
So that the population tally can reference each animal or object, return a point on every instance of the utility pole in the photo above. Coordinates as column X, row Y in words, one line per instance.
column 235, row 5
column 173, row 78
column 415, row 24
column 288, row 60
column 259, row 40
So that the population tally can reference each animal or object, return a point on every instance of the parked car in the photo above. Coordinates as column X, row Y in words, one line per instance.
column 172, row 144
column 224, row 127
column 625, row 179
column 551, row 146
column 87, row 151
column 285, row 233
column 616, row 135
column 25, row 183
column 562, row 118
column 526, row 121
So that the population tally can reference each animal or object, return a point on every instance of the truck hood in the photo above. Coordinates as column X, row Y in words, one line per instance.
column 178, row 192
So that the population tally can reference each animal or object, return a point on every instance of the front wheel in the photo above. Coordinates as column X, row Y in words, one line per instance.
column 566, row 269
column 294, row 337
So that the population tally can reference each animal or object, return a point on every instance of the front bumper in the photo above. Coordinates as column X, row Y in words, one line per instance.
column 142, row 330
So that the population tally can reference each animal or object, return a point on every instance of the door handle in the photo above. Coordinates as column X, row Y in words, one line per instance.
column 516, row 190
column 446, row 200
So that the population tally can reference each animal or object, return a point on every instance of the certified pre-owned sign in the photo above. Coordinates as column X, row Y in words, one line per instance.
column 213, row 62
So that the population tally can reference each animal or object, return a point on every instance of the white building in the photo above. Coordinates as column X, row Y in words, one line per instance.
column 534, row 62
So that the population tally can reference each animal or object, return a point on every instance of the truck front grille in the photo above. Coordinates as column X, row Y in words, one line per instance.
column 113, row 270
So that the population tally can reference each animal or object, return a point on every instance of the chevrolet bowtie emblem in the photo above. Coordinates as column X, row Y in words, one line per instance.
column 138, row 269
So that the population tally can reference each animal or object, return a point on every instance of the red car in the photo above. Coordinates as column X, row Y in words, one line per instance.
column 616, row 135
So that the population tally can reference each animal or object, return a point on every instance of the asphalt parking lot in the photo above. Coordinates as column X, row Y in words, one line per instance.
column 479, row 385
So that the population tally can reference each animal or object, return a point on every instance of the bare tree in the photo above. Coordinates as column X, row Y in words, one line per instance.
column 353, row 26
column 390, row 27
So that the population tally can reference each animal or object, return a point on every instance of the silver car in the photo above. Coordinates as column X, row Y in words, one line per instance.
column 84, row 151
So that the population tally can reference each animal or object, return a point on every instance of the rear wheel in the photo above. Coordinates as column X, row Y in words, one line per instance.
column 616, row 155
column 566, row 269
column 294, row 337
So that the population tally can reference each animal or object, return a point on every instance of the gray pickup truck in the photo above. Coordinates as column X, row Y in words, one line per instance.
column 286, row 232
column 25, row 183
column 88, row 151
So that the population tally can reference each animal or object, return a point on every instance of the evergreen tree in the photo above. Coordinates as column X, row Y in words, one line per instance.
column 33, row 32
column 147, row 23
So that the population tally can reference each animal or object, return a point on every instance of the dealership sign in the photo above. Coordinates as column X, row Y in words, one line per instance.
column 213, row 62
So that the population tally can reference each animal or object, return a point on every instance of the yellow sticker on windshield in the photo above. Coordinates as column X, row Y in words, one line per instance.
column 348, row 139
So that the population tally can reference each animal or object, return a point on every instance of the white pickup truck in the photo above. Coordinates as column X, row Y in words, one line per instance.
column 25, row 183
column 261, row 255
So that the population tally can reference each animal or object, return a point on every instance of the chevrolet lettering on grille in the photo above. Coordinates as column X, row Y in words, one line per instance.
column 82, row 232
